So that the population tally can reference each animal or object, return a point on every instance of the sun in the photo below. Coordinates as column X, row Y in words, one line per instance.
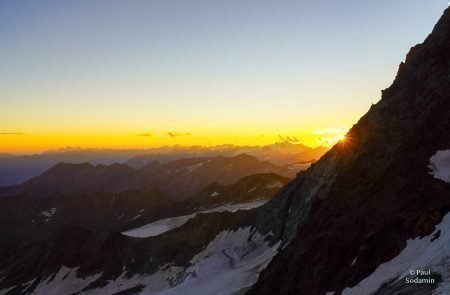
column 341, row 138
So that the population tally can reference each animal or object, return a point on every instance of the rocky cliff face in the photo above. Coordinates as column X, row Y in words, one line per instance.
column 359, row 205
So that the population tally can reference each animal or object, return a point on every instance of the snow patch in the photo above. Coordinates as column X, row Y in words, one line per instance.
column 135, row 217
column 48, row 214
column 65, row 281
column 194, row 167
column 29, row 284
column 275, row 185
column 5, row 291
column 156, row 282
column 236, row 207
column 440, row 165
column 215, row 194
column 419, row 254
column 161, row 226
column 253, row 189
column 158, row 227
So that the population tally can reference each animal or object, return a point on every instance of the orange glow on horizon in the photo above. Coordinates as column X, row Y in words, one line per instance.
column 24, row 143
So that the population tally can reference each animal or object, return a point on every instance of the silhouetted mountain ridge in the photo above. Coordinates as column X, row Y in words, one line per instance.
column 179, row 179
column 15, row 169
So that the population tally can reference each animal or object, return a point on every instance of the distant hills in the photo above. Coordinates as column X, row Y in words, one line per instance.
column 179, row 179
column 17, row 169
column 280, row 153
column 5, row 155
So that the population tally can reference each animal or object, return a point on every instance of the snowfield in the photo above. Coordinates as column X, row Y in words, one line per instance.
column 158, row 227
column 65, row 281
column 440, row 165
column 230, row 263
column 227, row 265
column 161, row 226
column 419, row 254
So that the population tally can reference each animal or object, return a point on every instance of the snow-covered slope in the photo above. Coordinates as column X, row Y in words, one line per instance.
column 230, row 263
column 421, row 254
column 65, row 281
column 440, row 165
column 161, row 226
column 158, row 227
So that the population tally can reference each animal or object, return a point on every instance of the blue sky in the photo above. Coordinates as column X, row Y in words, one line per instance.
column 200, row 66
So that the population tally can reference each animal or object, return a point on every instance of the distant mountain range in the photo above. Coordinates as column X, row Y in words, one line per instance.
column 281, row 153
column 17, row 169
column 178, row 180
column 5, row 155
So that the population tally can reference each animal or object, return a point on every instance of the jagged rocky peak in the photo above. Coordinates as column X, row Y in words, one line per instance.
column 372, row 197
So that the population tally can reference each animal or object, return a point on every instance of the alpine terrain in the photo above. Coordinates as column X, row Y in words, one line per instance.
column 370, row 217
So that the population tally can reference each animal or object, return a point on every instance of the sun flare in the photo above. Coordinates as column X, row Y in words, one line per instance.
column 342, row 138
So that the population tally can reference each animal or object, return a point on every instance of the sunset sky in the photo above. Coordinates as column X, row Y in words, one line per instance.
column 162, row 72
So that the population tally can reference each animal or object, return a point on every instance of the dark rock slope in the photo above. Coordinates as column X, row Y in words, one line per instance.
column 23, row 219
column 247, row 189
column 26, row 219
column 357, row 207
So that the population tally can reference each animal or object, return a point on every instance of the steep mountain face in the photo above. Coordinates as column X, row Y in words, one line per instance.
column 178, row 180
column 349, row 222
